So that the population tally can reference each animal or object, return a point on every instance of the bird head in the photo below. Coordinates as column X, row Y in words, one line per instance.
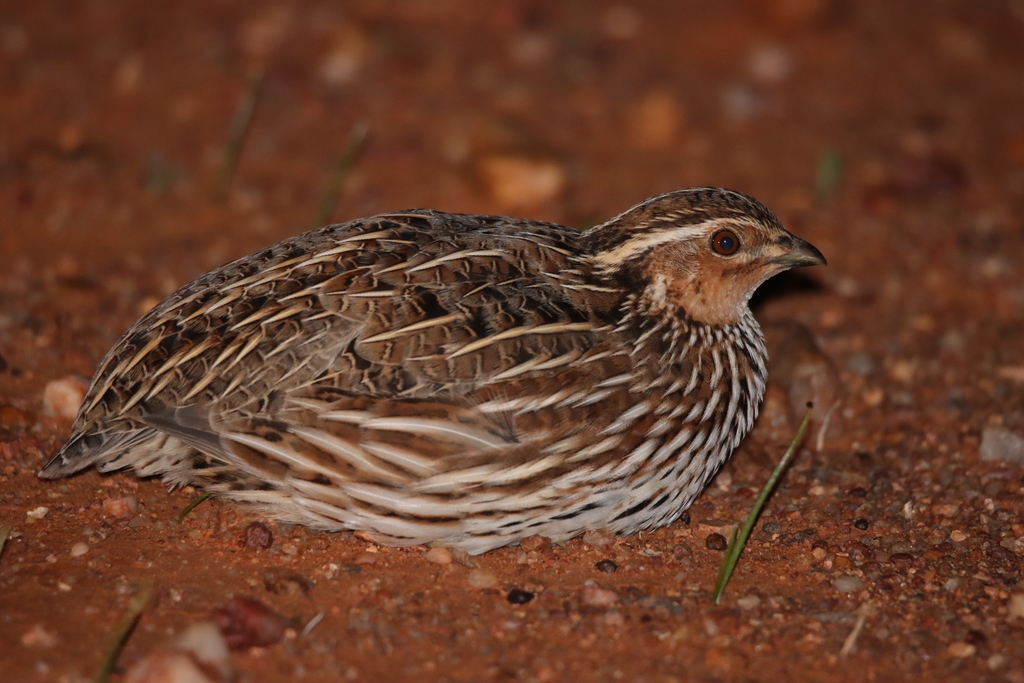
column 701, row 250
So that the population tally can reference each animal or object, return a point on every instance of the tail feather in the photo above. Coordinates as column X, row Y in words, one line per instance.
column 86, row 449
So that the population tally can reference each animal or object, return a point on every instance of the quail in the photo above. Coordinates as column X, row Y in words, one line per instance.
column 425, row 377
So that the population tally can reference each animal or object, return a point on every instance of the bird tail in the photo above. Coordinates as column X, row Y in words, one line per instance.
column 85, row 449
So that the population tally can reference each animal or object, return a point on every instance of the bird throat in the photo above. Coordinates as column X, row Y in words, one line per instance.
column 715, row 301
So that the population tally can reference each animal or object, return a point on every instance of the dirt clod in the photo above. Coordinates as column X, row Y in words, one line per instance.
column 245, row 623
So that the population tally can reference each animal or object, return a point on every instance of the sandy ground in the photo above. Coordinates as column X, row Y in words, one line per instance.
column 888, row 134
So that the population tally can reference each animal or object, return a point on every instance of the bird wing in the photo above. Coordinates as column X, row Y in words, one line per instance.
column 430, row 309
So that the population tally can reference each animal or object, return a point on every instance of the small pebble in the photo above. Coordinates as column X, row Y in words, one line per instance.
column 257, row 535
column 685, row 518
column 861, row 363
column 520, row 181
column 38, row 636
column 655, row 121
column 772, row 528
column 748, row 602
column 1000, row 444
column 37, row 513
column 439, row 555
column 1015, row 605
column 598, row 538
column 614, row 618
column 246, row 623
column 957, row 536
column 861, row 523
column 366, row 558
column 593, row 595
column 532, row 543
column 481, row 578
column 607, row 566
column 857, row 492
column 62, row 397
column 716, row 541
column 960, row 649
column 206, row 643
column 848, row 584
column 122, row 507
column 517, row 596
column 79, row 549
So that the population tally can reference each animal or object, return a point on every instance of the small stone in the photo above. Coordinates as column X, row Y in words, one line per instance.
column 535, row 543
column 656, row 121
column 246, row 623
column 366, row 558
column 206, row 643
column 1015, row 605
column 770, row 64
column 37, row 513
column 614, row 618
column 861, row 523
column 62, row 397
column 748, row 602
column 281, row 581
column 607, row 566
column 439, row 555
column 772, row 527
column 517, row 596
column 1000, row 444
column 79, row 549
column 861, row 363
column 257, row 535
column 598, row 538
column 593, row 595
column 481, row 578
column 38, row 636
column 848, row 584
column 122, row 507
column 960, row 649
column 716, row 541
column 169, row 665
column 957, row 536
column 521, row 181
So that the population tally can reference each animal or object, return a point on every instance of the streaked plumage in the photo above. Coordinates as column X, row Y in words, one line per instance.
column 469, row 380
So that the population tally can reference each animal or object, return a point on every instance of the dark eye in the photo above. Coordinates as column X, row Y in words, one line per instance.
column 725, row 242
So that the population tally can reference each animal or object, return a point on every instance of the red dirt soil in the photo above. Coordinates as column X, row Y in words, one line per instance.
column 890, row 135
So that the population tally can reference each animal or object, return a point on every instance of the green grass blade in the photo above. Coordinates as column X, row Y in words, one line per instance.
column 194, row 502
column 4, row 532
column 237, row 130
column 830, row 170
column 341, row 169
column 124, row 628
column 739, row 540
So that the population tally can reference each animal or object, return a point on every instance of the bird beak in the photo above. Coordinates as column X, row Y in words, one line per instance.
column 796, row 252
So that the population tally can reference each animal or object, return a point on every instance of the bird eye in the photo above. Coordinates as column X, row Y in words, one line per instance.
column 725, row 242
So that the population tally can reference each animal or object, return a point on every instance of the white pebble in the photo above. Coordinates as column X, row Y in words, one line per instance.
column 61, row 397
column 1015, row 605
column 1000, row 444
column 848, row 584
column 593, row 595
column 748, row 602
column 520, row 181
column 481, row 578
column 79, row 549
column 206, row 642
column 439, row 555
column 37, row 513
